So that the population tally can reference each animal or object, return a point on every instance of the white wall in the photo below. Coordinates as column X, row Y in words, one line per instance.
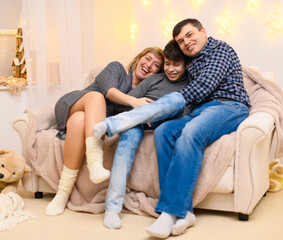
column 249, row 35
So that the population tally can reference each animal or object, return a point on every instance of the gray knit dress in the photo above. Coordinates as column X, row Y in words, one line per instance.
column 113, row 75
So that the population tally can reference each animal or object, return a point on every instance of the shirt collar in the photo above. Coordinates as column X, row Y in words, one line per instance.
column 211, row 44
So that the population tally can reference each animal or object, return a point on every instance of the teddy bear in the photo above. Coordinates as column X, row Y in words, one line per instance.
column 275, row 175
column 12, row 168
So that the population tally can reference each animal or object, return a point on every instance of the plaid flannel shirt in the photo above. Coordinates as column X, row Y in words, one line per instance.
column 215, row 73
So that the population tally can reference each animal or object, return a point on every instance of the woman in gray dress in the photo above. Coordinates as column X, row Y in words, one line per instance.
column 76, row 113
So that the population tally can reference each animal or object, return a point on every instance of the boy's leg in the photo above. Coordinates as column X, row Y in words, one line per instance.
column 168, row 106
column 122, row 165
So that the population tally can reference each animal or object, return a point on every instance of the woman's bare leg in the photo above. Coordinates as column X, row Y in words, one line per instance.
column 73, row 156
column 94, row 106
column 88, row 110
column 74, row 149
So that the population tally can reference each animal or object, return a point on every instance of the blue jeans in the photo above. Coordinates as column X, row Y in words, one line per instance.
column 180, row 145
column 169, row 106
column 122, row 166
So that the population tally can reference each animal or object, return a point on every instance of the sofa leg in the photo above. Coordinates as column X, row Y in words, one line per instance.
column 243, row 217
column 38, row 194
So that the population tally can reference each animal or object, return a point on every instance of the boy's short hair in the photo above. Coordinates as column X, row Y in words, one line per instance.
column 173, row 52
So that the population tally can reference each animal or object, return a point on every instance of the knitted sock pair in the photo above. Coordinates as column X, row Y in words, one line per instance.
column 97, row 174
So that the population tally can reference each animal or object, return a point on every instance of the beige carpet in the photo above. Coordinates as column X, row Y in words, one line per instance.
column 266, row 222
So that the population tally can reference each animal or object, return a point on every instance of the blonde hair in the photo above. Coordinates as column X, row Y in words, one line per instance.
column 156, row 50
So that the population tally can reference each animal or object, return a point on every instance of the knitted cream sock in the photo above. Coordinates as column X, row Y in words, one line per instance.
column 94, row 158
column 66, row 183
column 183, row 223
column 162, row 227
column 112, row 220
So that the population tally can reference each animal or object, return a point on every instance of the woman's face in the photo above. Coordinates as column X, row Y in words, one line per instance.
column 149, row 64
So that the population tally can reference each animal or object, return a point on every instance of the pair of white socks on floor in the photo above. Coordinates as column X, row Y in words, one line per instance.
column 167, row 224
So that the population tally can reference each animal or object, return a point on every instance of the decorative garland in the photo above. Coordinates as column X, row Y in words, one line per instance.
column 15, row 85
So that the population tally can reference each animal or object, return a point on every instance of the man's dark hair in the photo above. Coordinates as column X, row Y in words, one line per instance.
column 173, row 52
column 177, row 29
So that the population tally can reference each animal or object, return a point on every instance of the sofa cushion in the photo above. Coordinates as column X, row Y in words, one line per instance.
column 226, row 182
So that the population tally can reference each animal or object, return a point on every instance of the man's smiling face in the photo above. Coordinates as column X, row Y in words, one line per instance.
column 191, row 40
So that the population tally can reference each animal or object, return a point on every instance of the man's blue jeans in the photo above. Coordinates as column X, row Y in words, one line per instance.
column 168, row 106
column 180, row 145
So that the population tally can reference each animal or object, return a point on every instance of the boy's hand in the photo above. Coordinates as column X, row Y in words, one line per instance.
column 141, row 101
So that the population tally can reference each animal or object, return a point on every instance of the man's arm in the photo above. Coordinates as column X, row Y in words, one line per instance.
column 216, row 67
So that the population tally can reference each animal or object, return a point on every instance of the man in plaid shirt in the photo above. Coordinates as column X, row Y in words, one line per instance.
column 218, row 103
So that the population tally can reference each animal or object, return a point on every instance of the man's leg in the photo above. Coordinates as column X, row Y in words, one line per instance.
column 168, row 106
column 210, row 122
column 122, row 165
column 165, row 137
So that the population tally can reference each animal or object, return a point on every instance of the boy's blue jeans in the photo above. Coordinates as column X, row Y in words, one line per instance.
column 168, row 106
column 180, row 145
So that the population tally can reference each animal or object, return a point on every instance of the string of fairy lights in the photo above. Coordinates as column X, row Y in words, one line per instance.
column 226, row 21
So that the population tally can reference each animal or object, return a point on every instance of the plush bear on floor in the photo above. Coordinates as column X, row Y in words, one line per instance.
column 275, row 176
column 12, row 168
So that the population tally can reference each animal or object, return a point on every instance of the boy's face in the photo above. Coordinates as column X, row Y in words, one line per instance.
column 191, row 40
column 174, row 70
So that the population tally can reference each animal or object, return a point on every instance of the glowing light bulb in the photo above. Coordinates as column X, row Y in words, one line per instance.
column 252, row 6
column 196, row 3
column 167, row 2
column 276, row 22
column 225, row 23
column 168, row 26
column 146, row 3
column 132, row 31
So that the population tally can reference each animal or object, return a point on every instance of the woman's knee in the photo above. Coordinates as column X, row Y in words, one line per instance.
column 76, row 121
column 93, row 96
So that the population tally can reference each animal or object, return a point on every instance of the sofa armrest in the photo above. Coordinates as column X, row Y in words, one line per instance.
column 253, row 153
column 32, row 182
column 20, row 124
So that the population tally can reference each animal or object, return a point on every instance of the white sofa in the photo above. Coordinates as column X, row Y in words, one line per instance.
column 244, row 183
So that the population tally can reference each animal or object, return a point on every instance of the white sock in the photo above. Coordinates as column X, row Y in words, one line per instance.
column 94, row 158
column 112, row 220
column 162, row 227
column 66, row 183
column 183, row 223
column 99, row 129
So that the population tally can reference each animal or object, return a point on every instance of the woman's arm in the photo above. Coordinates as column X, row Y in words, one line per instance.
column 116, row 96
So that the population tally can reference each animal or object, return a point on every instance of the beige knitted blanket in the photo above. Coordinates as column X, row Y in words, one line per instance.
column 11, row 211
column 46, row 155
